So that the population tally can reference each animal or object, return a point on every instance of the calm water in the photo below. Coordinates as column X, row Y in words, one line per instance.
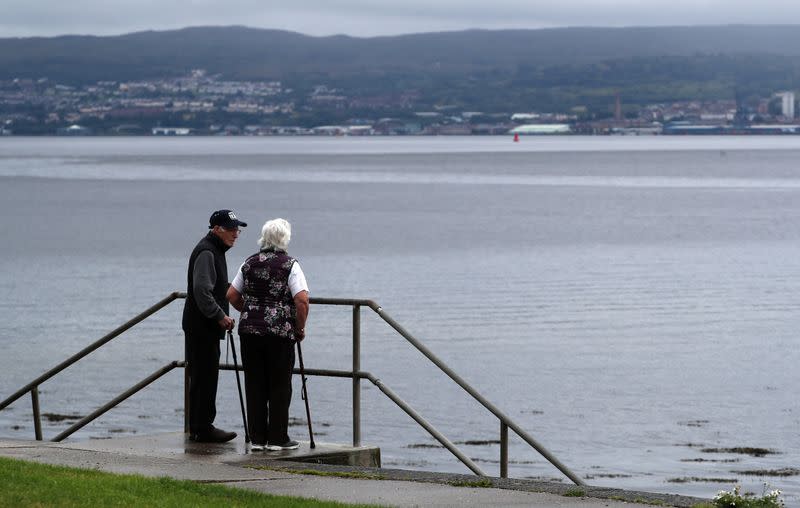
column 630, row 302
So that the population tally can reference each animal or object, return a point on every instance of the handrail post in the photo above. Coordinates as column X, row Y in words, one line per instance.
column 37, row 419
column 185, row 387
column 356, row 378
column 503, row 449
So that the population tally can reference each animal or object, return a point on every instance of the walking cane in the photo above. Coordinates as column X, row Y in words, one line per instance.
column 239, row 385
column 305, row 394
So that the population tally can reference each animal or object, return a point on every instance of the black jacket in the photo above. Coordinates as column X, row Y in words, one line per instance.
column 195, row 322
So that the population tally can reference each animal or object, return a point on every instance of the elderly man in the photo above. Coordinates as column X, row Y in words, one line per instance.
column 205, row 320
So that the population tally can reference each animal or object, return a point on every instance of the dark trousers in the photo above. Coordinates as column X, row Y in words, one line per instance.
column 202, row 353
column 268, row 361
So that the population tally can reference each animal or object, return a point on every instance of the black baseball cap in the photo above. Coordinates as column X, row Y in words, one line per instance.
column 225, row 219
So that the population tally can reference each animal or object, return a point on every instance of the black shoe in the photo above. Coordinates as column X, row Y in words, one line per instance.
column 214, row 435
column 288, row 445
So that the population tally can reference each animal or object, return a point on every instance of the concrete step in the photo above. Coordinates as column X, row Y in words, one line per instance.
column 177, row 445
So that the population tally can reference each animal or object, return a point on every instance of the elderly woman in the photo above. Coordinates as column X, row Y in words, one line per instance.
column 271, row 293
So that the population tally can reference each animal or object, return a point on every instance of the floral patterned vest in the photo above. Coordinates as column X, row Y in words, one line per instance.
column 268, row 303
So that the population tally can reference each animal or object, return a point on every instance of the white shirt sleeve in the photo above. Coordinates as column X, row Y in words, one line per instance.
column 297, row 279
column 238, row 281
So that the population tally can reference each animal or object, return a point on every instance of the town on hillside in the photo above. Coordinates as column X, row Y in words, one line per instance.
column 201, row 104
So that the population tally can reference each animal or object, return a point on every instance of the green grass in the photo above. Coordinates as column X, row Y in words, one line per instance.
column 575, row 493
column 26, row 484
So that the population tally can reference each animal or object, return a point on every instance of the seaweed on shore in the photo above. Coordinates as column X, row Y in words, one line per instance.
column 467, row 443
column 57, row 417
column 424, row 445
column 723, row 461
column 743, row 450
column 784, row 471
column 688, row 479
column 690, row 445
column 606, row 475
column 694, row 423
column 298, row 422
column 495, row 461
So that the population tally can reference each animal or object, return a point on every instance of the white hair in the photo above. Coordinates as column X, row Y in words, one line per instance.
column 275, row 233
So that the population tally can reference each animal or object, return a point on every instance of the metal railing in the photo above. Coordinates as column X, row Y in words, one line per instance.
column 33, row 386
column 505, row 422
column 356, row 374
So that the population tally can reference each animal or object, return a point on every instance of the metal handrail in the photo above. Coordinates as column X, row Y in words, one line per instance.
column 505, row 421
column 119, row 398
column 33, row 386
column 397, row 400
column 356, row 374
column 92, row 347
column 427, row 426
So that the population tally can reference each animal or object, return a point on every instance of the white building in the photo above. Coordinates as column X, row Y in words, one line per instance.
column 521, row 117
column 787, row 104
column 550, row 128
column 171, row 131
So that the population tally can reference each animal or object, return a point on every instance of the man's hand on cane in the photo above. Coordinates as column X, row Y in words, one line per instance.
column 227, row 323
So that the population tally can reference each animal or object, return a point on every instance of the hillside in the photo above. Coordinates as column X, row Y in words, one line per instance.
column 246, row 53
column 556, row 70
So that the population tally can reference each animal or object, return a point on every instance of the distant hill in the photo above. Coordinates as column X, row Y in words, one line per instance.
column 247, row 53
column 479, row 70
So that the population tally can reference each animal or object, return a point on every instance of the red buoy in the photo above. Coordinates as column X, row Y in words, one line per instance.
column 516, row 137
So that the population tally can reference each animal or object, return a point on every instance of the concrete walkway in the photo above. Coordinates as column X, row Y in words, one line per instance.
column 172, row 455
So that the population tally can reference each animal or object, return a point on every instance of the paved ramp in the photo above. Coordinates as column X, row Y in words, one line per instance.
column 174, row 456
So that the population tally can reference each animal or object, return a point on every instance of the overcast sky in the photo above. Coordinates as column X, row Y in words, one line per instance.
column 22, row 18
